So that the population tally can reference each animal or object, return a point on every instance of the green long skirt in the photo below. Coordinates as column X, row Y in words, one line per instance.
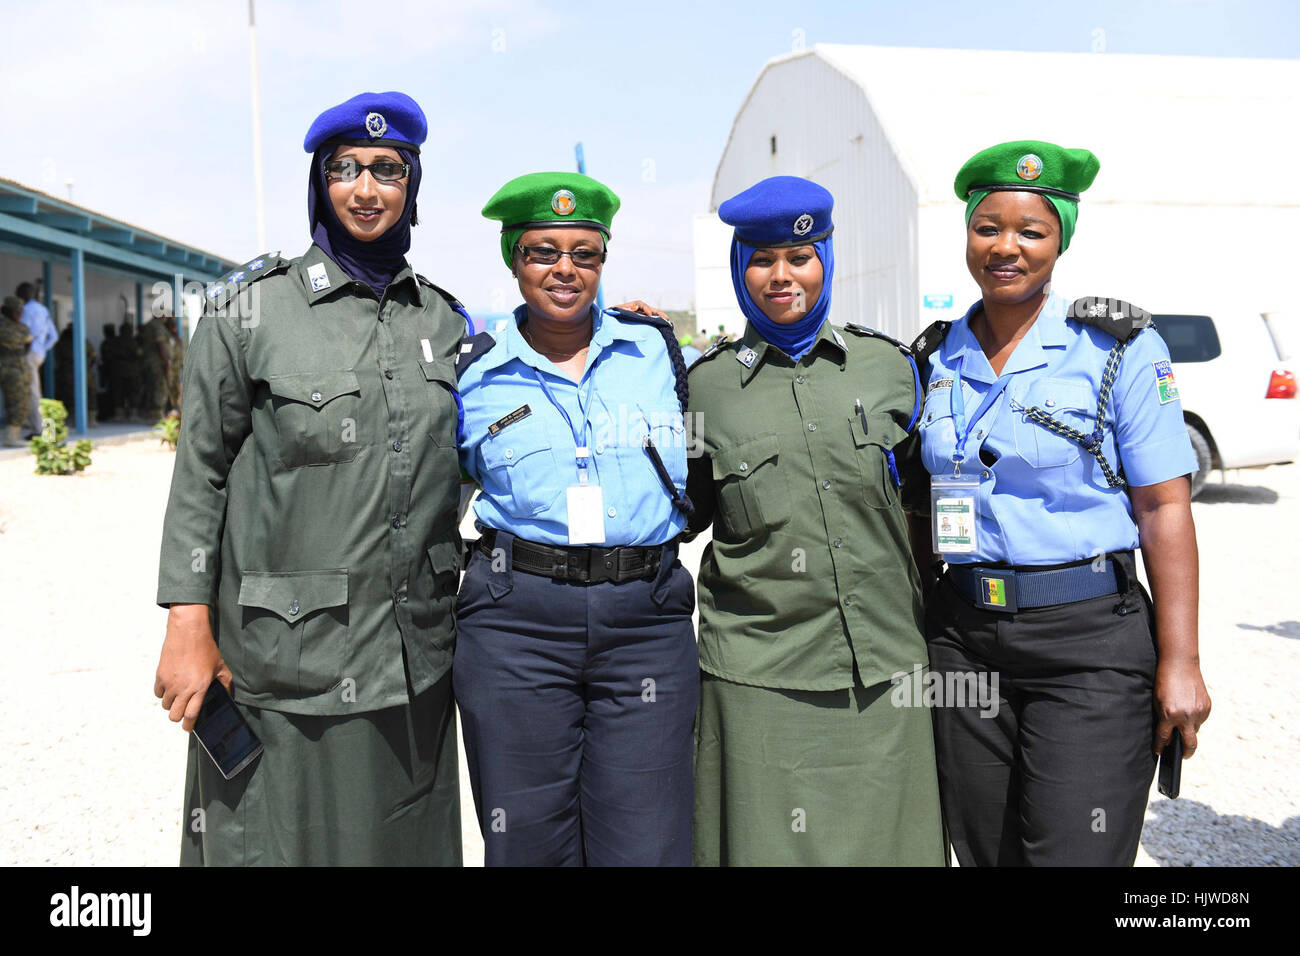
column 814, row 778
column 375, row 789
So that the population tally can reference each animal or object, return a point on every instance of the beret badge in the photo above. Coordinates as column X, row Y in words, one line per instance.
column 563, row 202
column 803, row 225
column 376, row 125
column 1030, row 167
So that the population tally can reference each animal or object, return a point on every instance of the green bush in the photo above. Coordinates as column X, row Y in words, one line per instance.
column 53, row 454
column 169, row 429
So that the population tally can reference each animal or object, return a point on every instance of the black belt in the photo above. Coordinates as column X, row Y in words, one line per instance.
column 588, row 565
column 1010, row 589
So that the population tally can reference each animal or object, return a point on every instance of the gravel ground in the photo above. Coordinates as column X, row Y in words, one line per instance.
column 94, row 770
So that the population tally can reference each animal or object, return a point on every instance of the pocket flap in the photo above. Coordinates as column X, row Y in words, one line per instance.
column 314, row 388
column 740, row 460
column 439, row 371
column 881, row 429
column 513, row 444
column 294, row 594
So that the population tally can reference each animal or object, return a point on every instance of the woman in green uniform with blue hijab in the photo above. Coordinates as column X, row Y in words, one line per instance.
column 310, row 551
column 809, row 601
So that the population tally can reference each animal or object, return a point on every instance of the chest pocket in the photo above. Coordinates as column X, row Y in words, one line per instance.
column 938, row 434
column 440, row 378
column 664, row 428
column 316, row 416
column 520, row 469
column 875, row 454
column 753, row 496
column 1071, row 404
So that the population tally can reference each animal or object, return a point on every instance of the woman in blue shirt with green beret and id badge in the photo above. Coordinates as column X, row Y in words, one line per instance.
column 1056, row 446
column 576, row 671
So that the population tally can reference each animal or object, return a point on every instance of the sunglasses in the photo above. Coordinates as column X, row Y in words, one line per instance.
column 549, row 256
column 347, row 170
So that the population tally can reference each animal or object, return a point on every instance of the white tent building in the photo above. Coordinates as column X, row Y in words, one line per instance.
column 1196, row 207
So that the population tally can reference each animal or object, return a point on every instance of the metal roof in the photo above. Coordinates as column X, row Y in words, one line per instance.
column 36, row 224
column 1168, row 129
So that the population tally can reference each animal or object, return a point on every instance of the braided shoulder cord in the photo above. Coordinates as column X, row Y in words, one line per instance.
column 680, row 500
column 1092, row 443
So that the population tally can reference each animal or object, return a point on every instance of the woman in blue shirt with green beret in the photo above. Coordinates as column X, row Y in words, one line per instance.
column 576, row 671
column 1055, row 440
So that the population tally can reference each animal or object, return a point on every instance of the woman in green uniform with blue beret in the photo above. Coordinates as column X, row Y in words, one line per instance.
column 809, row 602
column 310, row 549
column 1056, row 444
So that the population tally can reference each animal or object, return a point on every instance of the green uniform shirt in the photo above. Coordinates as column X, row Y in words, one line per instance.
column 809, row 570
column 314, row 496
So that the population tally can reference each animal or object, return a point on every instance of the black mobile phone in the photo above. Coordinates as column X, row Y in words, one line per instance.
column 224, row 733
column 1171, row 765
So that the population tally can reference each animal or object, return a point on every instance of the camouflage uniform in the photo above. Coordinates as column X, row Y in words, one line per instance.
column 15, row 373
column 175, row 355
column 153, row 343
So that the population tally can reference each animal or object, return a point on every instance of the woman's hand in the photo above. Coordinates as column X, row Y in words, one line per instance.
column 1182, row 703
column 190, row 660
column 1163, row 513
column 636, row 305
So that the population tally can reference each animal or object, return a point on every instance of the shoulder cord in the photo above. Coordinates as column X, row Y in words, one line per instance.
column 1091, row 443
column 680, row 501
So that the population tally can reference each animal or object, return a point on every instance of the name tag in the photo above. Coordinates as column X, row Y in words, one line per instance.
column 586, row 514
column 427, row 349
column 952, row 513
column 518, row 415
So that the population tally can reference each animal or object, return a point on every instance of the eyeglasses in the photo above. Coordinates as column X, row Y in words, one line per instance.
column 549, row 256
column 347, row 170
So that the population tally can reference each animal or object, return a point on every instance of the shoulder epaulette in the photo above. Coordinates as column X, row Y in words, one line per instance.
column 655, row 320
column 472, row 348
column 712, row 350
column 1115, row 317
column 451, row 300
column 218, row 294
column 924, row 345
column 872, row 333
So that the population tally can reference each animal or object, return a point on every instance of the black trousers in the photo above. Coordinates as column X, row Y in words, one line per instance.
column 578, row 705
column 1054, row 768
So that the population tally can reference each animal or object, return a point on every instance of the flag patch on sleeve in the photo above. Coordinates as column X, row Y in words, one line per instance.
column 1166, row 387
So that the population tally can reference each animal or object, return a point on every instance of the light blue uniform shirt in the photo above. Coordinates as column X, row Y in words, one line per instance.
column 37, row 319
column 524, row 469
column 1045, row 500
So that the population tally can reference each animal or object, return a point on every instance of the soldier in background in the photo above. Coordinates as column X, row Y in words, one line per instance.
column 65, row 389
column 127, row 369
column 154, row 365
column 175, row 356
column 108, row 405
column 15, row 373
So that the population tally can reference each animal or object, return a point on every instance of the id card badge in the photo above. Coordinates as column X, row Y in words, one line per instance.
column 952, row 513
column 586, row 515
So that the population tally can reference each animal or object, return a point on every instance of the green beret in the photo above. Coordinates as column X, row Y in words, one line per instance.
column 542, row 199
column 1030, row 166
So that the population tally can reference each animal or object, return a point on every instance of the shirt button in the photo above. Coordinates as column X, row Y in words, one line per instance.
column 613, row 512
column 1050, row 402
column 397, row 521
column 510, row 453
column 812, row 426
column 388, row 373
column 744, row 466
column 826, row 483
column 397, row 446
column 600, row 449
column 984, row 474
column 294, row 608
column 315, row 396
column 848, row 600
column 800, row 379
column 837, row 542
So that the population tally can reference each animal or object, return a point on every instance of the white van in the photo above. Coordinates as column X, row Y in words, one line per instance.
column 1238, row 396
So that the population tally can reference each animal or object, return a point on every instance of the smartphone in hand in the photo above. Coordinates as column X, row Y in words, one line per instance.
column 1171, row 765
column 223, row 732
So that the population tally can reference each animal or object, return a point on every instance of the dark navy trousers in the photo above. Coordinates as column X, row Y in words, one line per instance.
column 578, row 708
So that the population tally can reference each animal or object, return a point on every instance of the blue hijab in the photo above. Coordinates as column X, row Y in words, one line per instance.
column 798, row 337
column 375, row 262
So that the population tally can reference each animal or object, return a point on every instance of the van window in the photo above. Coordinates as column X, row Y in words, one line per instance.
column 1191, row 338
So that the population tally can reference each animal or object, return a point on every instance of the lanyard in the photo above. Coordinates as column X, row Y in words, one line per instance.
column 960, row 425
column 581, row 452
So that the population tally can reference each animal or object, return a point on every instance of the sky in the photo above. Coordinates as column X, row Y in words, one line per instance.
column 146, row 106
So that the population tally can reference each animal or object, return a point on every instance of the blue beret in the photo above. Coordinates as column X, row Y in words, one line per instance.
column 371, row 119
column 780, row 211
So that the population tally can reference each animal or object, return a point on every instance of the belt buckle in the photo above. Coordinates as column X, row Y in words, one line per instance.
column 997, row 590
column 604, row 565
